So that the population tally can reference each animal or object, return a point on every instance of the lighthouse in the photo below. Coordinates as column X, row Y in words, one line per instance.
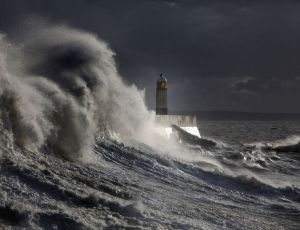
column 161, row 96
column 187, row 123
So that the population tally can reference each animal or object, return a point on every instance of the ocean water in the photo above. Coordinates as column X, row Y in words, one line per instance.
column 237, row 184
column 237, row 131
column 80, row 150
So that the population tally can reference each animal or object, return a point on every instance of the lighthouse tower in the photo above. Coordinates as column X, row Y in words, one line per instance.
column 169, row 123
column 161, row 96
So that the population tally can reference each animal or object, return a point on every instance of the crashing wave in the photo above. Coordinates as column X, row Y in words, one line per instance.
column 59, row 86
column 285, row 148
column 289, row 145
column 186, row 137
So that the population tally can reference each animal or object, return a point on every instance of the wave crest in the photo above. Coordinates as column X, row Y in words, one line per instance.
column 63, row 86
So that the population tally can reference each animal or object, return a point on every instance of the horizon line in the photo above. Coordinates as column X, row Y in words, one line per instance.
column 234, row 111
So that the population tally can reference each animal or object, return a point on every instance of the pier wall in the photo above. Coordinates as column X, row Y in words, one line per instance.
column 179, row 120
column 187, row 123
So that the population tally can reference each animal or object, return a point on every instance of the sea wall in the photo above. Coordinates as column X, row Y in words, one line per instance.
column 179, row 120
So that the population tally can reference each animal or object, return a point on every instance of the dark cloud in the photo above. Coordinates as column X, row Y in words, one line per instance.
column 206, row 48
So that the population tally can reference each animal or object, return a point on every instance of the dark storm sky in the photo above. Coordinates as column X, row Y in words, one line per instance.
column 241, row 55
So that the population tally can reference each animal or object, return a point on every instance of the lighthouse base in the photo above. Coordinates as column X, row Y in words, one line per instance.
column 187, row 123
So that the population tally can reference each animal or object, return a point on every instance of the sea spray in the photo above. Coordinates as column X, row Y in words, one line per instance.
column 63, row 87
column 60, row 87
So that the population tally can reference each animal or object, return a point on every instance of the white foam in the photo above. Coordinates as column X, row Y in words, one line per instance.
column 168, row 131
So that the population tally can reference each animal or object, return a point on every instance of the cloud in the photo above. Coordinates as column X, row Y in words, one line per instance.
column 186, row 39
column 252, row 85
column 267, row 85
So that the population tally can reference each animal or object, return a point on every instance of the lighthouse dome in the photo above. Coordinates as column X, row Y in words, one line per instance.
column 162, row 78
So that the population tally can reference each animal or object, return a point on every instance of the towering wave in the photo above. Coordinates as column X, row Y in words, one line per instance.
column 59, row 86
